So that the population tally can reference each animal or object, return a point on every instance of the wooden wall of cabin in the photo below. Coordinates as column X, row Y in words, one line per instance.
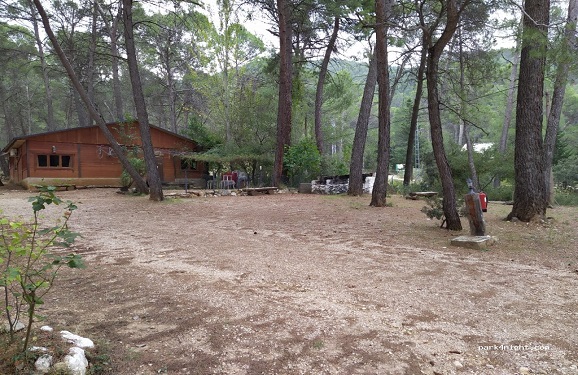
column 51, row 159
column 18, row 165
column 98, row 161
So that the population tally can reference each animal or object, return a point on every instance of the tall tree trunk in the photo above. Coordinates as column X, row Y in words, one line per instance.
column 285, row 87
column 4, row 167
column 530, row 201
column 82, row 116
column 140, row 183
column 225, row 13
column 510, row 100
column 464, row 128
column 434, row 53
column 320, row 85
column 470, row 151
column 409, row 154
column 50, row 124
column 116, row 85
column 92, row 56
column 358, row 148
column 568, row 49
column 509, row 106
column 172, row 103
column 382, row 14
column 154, row 178
column 112, row 30
column 172, row 92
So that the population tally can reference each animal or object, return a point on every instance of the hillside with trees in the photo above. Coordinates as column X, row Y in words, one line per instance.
column 454, row 78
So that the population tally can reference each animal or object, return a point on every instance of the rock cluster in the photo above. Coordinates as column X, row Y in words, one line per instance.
column 339, row 186
column 74, row 363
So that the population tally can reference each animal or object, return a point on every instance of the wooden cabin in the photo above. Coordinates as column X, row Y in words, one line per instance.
column 83, row 157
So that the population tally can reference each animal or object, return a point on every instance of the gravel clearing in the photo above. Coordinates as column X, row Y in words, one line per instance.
column 309, row 284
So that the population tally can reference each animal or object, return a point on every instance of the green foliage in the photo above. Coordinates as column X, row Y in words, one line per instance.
column 28, row 267
column 302, row 161
column 490, row 164
column 205, row 138
column 138, row 163
column 566, row 197
column 504, row 192
column 434, row 208
column 566, row 172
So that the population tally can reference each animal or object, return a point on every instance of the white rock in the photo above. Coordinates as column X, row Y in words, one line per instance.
column 46, row 329
column 524, row 370
column 18, row 326
column 76, row 361
column 76, row 340
column 458, row 364
column 38, row 349
column 43, row 363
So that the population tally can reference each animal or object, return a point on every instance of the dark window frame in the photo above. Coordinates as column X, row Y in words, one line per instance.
column 54, row 161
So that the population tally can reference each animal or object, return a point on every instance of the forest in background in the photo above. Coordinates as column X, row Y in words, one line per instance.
column 208, row 77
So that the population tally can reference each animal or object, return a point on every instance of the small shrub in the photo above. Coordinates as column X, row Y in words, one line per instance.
column 28, row 267
column 302, row 161
column 504, row 192
column 434, row 208
column 566, row 197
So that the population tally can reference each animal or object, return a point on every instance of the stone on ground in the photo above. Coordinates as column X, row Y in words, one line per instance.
column 474, row 242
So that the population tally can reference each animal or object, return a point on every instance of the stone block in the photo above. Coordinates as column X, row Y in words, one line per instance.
column 474, row 242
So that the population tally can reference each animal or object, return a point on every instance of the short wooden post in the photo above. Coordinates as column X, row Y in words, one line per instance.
column 475, row 216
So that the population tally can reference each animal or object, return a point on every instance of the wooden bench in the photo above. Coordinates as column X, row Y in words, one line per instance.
column 260, row 190
column 421, row 194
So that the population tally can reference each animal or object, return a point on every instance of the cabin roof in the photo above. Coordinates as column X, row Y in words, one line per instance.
column 20, row 140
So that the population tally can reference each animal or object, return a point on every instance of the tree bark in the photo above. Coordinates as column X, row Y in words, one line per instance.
column 382, row 14
column 358, row 147
column 509, row 107
column 140, row 183
column 434, row 53
column 470, row 151
column 568, row 49
column 285, row 87
column 4, row 167
column 409, row 154
column 112, row 30
column 320, row 85
column 530, row 201
column 510, row 100
column 92, row 56
column 50, row 124
column 153, row 176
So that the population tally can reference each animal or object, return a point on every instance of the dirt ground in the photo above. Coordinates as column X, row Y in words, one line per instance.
column 309, row 284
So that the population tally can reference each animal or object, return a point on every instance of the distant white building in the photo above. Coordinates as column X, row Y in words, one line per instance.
column 479, row 147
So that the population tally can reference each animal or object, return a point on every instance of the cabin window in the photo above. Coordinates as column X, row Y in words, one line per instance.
column 42, row 160
column 188, row 164
column 54, row 161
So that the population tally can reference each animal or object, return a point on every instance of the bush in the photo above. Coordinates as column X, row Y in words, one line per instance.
column 504, row 192
column 28, row 267
column 302, row 161
column 566, row 197
column 140, row 166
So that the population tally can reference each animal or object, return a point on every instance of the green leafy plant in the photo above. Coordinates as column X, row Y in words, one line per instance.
column 302, row 161
column 434, row 208
column 28, row 267
column 138, row 163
